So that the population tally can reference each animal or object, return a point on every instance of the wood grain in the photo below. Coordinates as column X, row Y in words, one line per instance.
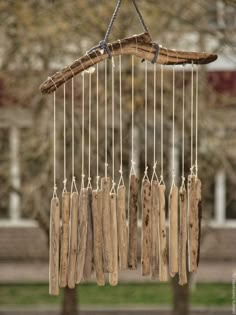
column 146, row 227
column 133, row 222
column 155, row 230
column 140, row 46
column 64, row 239
column 198, row 189
column 173, row 231
column 73, row 239
column 183, row 235
column 192, row 225
column 88, row 265
column 106, row 223
column 113, row 277
column 163, row 263
column 54, row 247
column 98, row 237
column 82, row 234
column 122, row 228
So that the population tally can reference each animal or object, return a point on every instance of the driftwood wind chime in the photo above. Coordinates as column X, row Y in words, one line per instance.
column 90, row 231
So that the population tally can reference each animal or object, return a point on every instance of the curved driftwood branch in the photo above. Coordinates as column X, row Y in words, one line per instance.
column 139, row 45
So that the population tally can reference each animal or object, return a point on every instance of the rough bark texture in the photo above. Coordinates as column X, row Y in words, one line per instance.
column 54, row 247
column 88, row 265
column 106, row 223
column 64, row 239
column 133, row 222
column 82, row 233
column 113, row 277
column 73, row 239
column 183, row 236
column 155, row 230
column 69, row 306
column 163, row 263
column 122, row 228
column 138, row 45
column 193, row 224
column 146, row 227
column 98, row 237
column 173, row 231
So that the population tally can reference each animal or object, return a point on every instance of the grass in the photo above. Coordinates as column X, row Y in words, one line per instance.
column 124, row 294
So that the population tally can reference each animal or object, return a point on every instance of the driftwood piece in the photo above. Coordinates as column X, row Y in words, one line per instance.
column 54, row 247
column 193, row 224
column 88, row 265
column 163, row 263
column 183, row 235
column 113, row 277
column 138, row 45
column 155, row 230
column 122, row 229
column 73, row 239
column 173, row 231
column 133, row 222
column 198, row 190
column 98, row 237
column 82, row 234
column 106, row 224
column 146, row 227
column 64, row 239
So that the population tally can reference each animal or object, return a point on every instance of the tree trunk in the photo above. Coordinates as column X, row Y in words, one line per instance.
column 69, row 306
column 180, row 298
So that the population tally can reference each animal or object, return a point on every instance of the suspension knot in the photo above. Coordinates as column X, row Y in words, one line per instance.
column 104, row 47
column 157, row 49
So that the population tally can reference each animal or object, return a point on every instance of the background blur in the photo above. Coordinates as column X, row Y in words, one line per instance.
column 38, row 37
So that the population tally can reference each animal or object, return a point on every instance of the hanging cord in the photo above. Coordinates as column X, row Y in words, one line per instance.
column 113, row 126
column 154, row 175
column 121, row 181
column 132, row 171
column 54, row 147
column 89, row 148
column 73, row 184
column 106, row 164
column 192, row 165
column 197, row 94
column 146, row 112
column 162, row 125
column 64, row 119
column 103, row 43
column 173, row 130
column 98, row 177
column 82, row 175
column 183, row 127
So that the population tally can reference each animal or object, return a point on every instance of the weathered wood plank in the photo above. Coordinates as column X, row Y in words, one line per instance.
column 54, row 247
column 113, row 277
column 73, row 239
column 155, row 230
column 183, row 235
column 106, row 223
column 192, row 225
column 64, row 239
column 88, row 265
column 139, row 45
column 146, row 227
column 98, row 237
column 173, row 231
column 133, row 222
column 122, row 228
column 82, row 234
column 163, row 262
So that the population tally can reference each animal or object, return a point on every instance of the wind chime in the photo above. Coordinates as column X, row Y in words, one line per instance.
column 90, row 232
